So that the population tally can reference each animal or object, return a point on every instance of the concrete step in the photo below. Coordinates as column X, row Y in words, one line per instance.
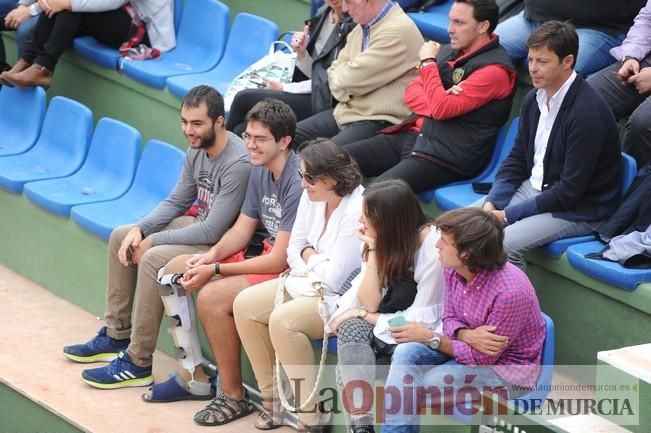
column 35, row 326
column 587, row 424
column 633, row 360
column 632, row 366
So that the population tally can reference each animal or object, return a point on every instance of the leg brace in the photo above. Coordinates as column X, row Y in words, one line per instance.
column 181, row 320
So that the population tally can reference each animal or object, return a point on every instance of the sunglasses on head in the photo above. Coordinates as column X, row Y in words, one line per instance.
column 307, row 176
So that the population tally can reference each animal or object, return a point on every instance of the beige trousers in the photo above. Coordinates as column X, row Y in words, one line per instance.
column 137, row 284
column 287, row 330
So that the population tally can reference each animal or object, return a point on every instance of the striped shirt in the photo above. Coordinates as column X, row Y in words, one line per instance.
column 506, row 299
column 366, row 28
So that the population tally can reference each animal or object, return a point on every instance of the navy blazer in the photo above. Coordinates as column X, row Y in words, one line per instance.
column 581, row 167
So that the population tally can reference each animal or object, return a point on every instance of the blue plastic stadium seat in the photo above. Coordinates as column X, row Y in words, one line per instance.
column 103, row 55
column 95, row 51
column 629, row 170
column 21, row 117
column 557, row 248
column 157, row 173
column 248, row 42
column 428, row 196
column 197, row 50
column 543, row 384
column 609, row 272
column 433, row 23
column 314, row 6
column 332, row 344
column 59, row 151
column 461, row 194
column 106, row 174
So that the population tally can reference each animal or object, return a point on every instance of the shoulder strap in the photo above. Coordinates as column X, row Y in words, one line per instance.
column 323, row 313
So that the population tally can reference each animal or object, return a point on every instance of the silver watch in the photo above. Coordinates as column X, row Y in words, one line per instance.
column 34, row 10
column 434, row 342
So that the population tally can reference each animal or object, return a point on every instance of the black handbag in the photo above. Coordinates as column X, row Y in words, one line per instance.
column 399, row 296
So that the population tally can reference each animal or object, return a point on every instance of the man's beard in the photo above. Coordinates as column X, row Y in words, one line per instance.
column 208, row 141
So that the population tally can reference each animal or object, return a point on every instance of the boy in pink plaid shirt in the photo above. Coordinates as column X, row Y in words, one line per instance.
column 493, row 329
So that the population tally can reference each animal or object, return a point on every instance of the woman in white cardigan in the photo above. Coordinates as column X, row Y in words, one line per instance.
column 323, row 241
column 401, row 284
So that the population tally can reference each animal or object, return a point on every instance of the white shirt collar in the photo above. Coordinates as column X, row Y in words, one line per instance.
column 557, row 98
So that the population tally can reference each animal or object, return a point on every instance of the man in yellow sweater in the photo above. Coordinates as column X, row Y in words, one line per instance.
column 370, row 76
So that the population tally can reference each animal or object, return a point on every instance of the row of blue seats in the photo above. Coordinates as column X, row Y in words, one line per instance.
column 208, row 50
column 99, row 178
column 461, row 194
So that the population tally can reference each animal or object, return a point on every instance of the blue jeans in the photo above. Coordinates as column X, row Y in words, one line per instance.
column 415, row 366
column 23, row 32
column 6, row 6
column 413, row 359
column 593, row 44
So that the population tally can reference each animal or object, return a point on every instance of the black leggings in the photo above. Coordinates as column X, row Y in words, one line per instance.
column 244, row 100
column 53, row 35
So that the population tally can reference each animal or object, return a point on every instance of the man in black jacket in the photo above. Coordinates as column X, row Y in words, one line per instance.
column 563, row 175
column 317, row 47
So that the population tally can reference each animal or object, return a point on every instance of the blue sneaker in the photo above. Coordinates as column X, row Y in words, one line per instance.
column 99, row 348
column 120, row 373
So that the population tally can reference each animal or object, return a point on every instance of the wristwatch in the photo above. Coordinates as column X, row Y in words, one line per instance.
column 427, row 60
column 434, row 342
column 34, row 10
column 625, row 58
column 361, row 312
column 217, row 270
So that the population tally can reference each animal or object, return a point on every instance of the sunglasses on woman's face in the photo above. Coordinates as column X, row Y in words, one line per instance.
column 307, row 176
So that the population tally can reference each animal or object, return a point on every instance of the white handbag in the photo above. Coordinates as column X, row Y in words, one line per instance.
column 277, row 65
column 302, row 284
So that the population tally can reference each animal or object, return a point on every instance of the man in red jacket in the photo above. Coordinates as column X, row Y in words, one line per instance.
column 461, row 98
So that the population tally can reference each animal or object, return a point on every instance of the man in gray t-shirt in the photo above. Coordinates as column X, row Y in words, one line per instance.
column 274, row 202
column 215, row 173
column 272, row 197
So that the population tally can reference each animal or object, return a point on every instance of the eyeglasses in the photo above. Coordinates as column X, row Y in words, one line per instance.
column 260, row 139
column 309, row 178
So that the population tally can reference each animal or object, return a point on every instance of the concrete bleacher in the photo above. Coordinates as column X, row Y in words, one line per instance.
column 39, row 372
column 55, row 252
